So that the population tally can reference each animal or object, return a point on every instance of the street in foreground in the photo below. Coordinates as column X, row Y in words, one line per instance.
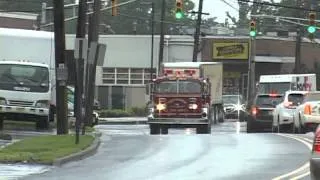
column 128, row 152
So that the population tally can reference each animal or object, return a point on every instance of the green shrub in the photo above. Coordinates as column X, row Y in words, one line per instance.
column 139, row 111
column 114, row 113
column 132, row 112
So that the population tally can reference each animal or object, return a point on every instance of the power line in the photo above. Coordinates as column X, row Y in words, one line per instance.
column 230, row 5
column 278, row 5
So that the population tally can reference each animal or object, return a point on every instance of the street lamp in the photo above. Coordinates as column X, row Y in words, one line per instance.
column 152, row 37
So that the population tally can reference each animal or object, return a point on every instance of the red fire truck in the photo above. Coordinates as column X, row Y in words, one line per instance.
column 186, row 95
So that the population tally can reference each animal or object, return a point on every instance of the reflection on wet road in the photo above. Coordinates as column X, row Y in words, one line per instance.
column 129, row 152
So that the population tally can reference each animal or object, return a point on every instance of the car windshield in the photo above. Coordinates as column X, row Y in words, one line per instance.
column 274, row 88
column 24, row 77
column 228, row 99
column 178, row 86
column 268, row 101
column 295, row 99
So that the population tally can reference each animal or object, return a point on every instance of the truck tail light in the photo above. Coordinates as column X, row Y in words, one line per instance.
column 307, row 109
column 254, row 111
column 316, row 143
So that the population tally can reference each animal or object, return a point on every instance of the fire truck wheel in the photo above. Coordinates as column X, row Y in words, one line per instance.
column 164, row 130
column 204, row 129
column 154, row 129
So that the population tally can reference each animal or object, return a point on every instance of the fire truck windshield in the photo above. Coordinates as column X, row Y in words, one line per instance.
column 178, row 86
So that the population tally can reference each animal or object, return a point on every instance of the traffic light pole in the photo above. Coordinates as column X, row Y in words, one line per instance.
column 251, row 73
column 61, row 68
column 162, row 29
column 78, row 103
column 197, row 33
column 298, row 51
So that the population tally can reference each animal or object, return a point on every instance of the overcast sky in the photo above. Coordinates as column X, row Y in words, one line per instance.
column 218, row 8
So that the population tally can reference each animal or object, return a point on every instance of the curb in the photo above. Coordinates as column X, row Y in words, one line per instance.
column 91, row 150
column 122, row 122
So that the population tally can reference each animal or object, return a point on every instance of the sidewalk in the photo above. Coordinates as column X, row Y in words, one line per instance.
column 123, row 120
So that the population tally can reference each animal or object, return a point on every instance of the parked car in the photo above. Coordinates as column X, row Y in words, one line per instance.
column 306, row 116
column 283, row 113
column 234, row 107
column 315, row 156
column 261, row 112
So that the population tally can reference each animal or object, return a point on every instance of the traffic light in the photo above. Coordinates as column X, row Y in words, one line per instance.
column 253, row 28
column 179, row 9
column 114, row 5
column 312, row 23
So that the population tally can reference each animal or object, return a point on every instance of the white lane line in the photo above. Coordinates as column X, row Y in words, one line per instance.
column 303, row 167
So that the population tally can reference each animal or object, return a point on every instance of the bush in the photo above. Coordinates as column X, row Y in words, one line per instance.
column 139, row 111
column 132, row 112
column 114, row 113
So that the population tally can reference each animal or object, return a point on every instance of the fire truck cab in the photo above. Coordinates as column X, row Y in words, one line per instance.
column 181, row 98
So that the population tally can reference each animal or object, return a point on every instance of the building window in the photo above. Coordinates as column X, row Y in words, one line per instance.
column 136, row 76
column 146, row 76
column 118, row 97
column 122, row 75
column 108, row 76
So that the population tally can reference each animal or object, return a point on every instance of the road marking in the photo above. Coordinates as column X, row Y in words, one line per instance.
column 303, row 167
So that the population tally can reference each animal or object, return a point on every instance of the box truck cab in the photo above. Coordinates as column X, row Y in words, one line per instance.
column 279, row 84
column 25, row 92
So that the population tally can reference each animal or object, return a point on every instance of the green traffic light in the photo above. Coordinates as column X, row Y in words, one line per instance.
column 253, row 33
column 312, row 29
column 179, row 15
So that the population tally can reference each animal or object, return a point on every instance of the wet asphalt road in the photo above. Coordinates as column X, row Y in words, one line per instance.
column 128, row 152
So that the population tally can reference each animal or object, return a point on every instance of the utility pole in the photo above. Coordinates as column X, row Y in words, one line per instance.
column 197, row 33
column 93, row 36
column 152, row 41
column 162, row 29
column 81, row 33
column 298, row 43
column 61, row 68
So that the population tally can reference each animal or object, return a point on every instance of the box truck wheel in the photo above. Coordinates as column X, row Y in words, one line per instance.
column 42, row 123
column 1, row 122
column 154, row 129
column 220, row 113
column 204, row 129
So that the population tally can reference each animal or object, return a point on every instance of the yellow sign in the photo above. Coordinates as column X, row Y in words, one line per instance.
column 230, row 50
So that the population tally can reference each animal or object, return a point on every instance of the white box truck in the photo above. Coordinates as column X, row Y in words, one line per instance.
column 27, row 77
column 279, row 84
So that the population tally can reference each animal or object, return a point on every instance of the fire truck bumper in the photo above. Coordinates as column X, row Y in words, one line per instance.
column 177, row 121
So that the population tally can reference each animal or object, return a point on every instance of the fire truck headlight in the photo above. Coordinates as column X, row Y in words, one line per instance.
column 161, row 107
column 193, row 106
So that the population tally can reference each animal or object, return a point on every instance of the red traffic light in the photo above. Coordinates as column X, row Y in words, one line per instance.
column 179, row 4
column 312, row 18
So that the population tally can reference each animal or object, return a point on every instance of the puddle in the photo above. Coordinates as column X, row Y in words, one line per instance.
column 16, row 171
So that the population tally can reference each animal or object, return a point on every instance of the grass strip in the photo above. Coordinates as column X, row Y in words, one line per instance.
column 43, row 149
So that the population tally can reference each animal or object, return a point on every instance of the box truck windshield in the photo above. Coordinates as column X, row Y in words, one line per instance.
column 274, row 88
column 178, row 86
column 17, row 77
